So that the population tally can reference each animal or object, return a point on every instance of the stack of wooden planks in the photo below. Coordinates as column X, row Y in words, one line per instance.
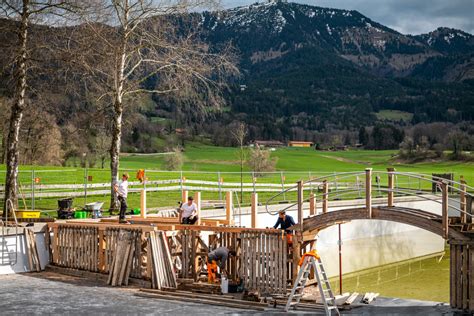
column 32, row 251
column 208, row 299
column 123, row 260
column 159, row 261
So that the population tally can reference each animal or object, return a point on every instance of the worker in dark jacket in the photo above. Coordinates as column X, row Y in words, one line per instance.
column 286, row 221
column 220, row 255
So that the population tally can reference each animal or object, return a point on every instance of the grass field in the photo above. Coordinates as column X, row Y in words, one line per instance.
column 394, row 115
column 204, row 162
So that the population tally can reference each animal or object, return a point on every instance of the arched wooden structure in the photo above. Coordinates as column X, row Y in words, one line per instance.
column 456, row 214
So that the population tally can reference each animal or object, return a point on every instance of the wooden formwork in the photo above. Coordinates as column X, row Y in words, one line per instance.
column 261, row 262
column 462, row 275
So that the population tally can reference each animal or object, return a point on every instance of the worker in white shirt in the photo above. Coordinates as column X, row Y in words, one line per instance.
column 189, row 212
column 122, row 191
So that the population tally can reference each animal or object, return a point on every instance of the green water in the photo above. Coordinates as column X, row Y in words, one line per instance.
column 426, row 279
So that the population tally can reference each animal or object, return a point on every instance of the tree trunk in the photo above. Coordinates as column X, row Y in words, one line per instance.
column 117, row 123
column 12, row 154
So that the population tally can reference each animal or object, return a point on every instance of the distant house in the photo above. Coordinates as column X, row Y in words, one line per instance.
column 268, row 143
column 295, row 143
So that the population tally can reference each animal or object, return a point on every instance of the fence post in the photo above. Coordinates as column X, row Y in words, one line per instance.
column 33, row 179
column 85, row 183
column 390, row 187
column 181, row 181
column 312, row 204
column 254, row 210
column 282, row 177
column 228, row 206
column 219, row 184
column 463, row 201
column 325, row 196
column 368, row 191
column 445, row 219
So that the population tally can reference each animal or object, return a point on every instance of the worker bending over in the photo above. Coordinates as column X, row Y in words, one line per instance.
column 286, row 221
column 189, row 212
column 220, row 255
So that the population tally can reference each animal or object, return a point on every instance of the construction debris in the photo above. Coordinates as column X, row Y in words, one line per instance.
column 369, row 297
column 159, row 260
column 32, row 250
column 123, row 259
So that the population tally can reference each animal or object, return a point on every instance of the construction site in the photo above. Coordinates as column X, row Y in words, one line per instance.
column 155, row 264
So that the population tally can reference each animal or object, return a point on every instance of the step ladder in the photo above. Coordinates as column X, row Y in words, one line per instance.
column 323, row 284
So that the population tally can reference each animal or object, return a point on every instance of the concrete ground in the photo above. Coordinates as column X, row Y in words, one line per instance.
column 49, row 293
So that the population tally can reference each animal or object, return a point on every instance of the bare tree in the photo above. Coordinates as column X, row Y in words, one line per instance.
column 142, row 51
column 23, row 11
column 259, row 161
column 239, row 134
column 174, row 159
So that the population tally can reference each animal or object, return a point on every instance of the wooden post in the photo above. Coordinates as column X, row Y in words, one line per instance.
column 143, row 203
column 325, row 196
column 184, row 196
column 300, row 205
column 368, row 192
column 445, row 205
column 101, row 249
column 463, row 201
column 228, row 206
column 254, row 210
column 312, row 204
column 197, row 200
column 391, row 186
column 55, row 245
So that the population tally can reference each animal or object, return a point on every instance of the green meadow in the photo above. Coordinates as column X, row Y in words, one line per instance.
column 210, row 163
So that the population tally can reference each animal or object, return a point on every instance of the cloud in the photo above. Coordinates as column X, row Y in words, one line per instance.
column 405, row 16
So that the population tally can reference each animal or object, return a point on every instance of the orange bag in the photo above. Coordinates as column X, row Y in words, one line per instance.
column 211, row 271
column 312, row 253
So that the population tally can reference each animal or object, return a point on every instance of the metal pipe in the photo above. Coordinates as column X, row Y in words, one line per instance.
column 340, row 260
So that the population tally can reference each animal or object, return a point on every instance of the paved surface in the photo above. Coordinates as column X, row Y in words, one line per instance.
column 49, row 293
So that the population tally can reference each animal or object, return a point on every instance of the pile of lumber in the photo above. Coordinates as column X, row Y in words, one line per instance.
column 160, row 262
column 32, row 250
column 121, row 267
column 190, row 285
column 208, row 299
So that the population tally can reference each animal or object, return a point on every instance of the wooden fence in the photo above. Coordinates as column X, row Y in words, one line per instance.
column 261, row 261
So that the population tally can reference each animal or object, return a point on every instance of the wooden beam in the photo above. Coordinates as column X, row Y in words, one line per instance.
column 228, row 206
column 325, row 196
column 300, row 204
column 463, row 201
column 143, row 203
column 197, row 200
column 254, row 210
column 391, row 186
column 368, row 192
column 312, row 204
column 445, row 206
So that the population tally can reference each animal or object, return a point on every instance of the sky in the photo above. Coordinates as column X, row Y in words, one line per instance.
column 405, row 16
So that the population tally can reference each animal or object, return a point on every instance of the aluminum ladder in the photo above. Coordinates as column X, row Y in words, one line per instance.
column 323, row 284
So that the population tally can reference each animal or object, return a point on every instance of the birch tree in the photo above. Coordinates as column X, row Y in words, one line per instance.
column 143, row 49
column 23, row 12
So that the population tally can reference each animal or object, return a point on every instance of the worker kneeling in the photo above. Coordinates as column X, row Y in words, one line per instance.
column 220, row 255
column 189, row 212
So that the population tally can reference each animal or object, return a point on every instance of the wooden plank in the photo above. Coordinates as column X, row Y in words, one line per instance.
column 458, row 276
column 471, row 278
column 199, row 301
column 465, row 285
